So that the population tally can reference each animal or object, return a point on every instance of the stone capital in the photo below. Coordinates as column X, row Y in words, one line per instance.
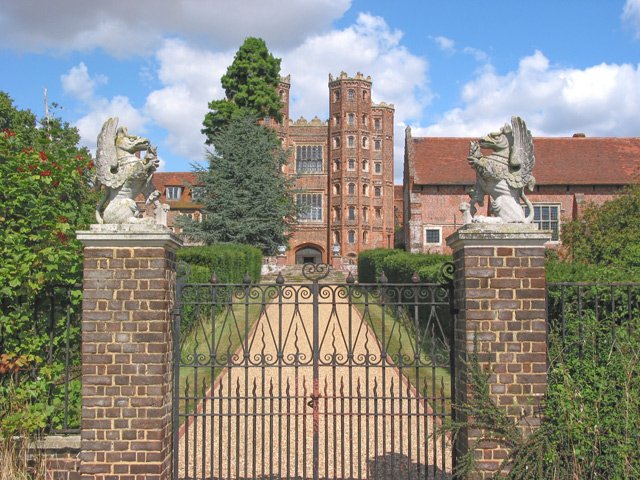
column 497, row 235
column 129, row 235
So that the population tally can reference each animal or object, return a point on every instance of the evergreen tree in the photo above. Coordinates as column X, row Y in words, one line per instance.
column 246, row 197
column 250, row 86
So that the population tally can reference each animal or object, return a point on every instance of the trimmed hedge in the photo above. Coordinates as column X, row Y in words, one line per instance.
column 399, row 265
column 229, row 261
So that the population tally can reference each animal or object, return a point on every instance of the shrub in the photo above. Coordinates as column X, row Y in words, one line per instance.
column 399, row 266
column 370, row 264
column 230, row 262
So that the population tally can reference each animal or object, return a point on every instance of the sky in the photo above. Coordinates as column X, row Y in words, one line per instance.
column 450, row 67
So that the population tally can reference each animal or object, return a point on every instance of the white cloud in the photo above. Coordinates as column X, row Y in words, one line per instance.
column 81, row 85
column 602, row 100
column 631, row 15
column 191, row 79
column 445, row 44
column 369, row 46
column 448, row 45
column 122, row 27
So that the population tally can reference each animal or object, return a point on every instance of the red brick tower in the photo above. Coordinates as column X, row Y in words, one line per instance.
column 360, row 145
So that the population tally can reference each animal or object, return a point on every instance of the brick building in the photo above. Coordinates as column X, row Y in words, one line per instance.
column 569, row 171
column 343, row 171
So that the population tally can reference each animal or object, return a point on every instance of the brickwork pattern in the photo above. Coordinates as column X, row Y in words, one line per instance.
column 500, row 297
column 126, row 363
column 63, row 466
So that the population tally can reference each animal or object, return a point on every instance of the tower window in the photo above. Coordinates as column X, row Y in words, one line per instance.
column 377, row 191
column 336, row 95
column 309, row 207
column 351, row 141
column 351, row 164
column 352, row 189
column 351, row 95
column 377, row 167
column 352, row 236
column 377, row 144
column 352, row 213
column 351, row 118
column 377, row 124
column 365, row 142
column 308, row 159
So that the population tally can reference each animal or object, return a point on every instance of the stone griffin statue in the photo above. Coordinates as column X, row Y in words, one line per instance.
column 125, row 175
column 503, row 174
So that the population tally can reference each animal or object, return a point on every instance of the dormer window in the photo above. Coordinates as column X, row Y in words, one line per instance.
column 173, row 193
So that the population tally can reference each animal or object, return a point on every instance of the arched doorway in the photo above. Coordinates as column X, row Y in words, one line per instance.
column 308, row 255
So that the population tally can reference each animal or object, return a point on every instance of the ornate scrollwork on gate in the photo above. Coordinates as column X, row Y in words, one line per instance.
column 315, row 271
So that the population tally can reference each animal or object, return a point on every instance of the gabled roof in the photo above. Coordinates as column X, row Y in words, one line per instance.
column 559, row 161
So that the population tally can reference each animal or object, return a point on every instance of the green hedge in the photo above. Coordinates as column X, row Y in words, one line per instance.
column 229, row 261
column 399, row 266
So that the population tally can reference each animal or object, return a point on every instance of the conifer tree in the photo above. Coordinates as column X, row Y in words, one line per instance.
column 246, row 196
column 250, row 86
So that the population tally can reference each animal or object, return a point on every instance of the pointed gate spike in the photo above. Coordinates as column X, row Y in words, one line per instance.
column 280, row 278
column 214, row 278
column 383, row 278
column 350, row 278
column 415, row 278
column 246, row 279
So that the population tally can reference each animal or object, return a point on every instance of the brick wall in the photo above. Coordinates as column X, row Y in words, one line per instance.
column 500, row 297
column 126, row 354
column 61, row 456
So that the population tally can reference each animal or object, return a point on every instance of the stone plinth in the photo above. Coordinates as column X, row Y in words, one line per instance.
column 500, row 296
column 129, row 279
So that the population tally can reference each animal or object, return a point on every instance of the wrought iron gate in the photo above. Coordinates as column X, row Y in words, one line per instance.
column 313, row 380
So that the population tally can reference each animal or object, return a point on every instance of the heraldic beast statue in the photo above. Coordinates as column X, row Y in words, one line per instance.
column 125, row 175
column 503, row 173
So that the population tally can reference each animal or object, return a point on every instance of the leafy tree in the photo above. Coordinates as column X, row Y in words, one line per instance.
column 246, row 197
column 604, row 243
column 45, row 196
column 250, row 86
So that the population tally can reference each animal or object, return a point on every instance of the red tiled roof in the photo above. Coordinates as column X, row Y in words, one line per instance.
column 559, row 161
column 162, row 180
column 173, row 179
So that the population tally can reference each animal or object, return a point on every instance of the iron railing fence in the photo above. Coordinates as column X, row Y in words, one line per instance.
column 586, row 318
column 40, row 344
column 313, row 380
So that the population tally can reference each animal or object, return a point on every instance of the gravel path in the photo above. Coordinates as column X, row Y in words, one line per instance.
column 257, row 422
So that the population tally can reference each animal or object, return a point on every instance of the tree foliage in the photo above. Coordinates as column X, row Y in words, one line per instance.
column 250, row 86
column 608, row 234
column 246, row 197
column 45, row 196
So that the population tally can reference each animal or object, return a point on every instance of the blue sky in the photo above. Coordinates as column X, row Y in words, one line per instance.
column 451, row 68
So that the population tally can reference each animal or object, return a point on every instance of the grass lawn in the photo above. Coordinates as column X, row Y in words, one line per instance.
column 231, row 326
column 433, row 381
